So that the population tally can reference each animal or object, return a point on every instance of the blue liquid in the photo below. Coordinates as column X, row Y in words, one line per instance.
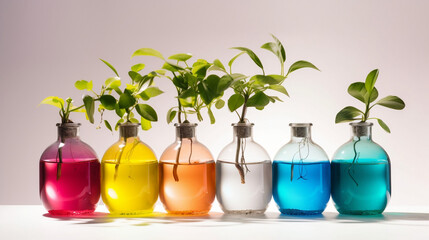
column 367, row 191
column 309, row 190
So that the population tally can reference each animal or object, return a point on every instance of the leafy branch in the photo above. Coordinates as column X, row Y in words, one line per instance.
column 367, row 93
column 251, row 91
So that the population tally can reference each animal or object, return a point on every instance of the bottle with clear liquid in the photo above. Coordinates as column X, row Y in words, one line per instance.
column 69, row 174
column 301, row 174
column 129, row 174
column 361, row 174
column 187, row 178
column 243, row 174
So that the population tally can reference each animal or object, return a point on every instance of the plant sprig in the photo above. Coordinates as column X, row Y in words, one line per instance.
column 129, row 99
column 195, row 89
column 250, row 91
column 367, row 93
column 66, row 107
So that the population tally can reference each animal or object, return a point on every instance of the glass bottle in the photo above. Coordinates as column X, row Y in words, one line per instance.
column 129, row 174
column 187, row 175
column 361, row 174
column 69, row 174
column 243, row 174
column 301, row 174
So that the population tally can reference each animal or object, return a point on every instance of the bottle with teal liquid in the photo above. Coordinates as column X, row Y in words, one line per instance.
column 361, row 174
column 301, row 174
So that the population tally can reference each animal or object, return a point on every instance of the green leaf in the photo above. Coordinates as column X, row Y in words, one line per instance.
column 160, row 71
column 138, row 67
column 279, row 88
column 199, row 69
column 150, row 92
column 171, row 67
column 276, row 48
column 219, row 64
column 358, row 91
column 171, row 114
column 54, row 101
column 219, row 104
column 238, row 76
column 234, row 58
column 260, row 99
column 110, row 66
column 392, row 102
column 371, row 79
column 348, row 114
column 108, row 126
column 301, row 64
column 252, row 55
column 147, row 112
column 126, row 100
column 266, row 79
column 88, row 101
column 135, row 76
column 118, row 123
column 235, row 101
column 180, row 82
column 108, row 102
column 113, row 83
column 383, row 125
column 212, row 118
column 205, row 93
column 147, row 52
column 181, row 57
column 120, row 112
column 188, row 98
column 146, row 124
column 83, row 85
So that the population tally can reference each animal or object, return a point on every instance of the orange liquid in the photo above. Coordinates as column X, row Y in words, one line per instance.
column 195, row 191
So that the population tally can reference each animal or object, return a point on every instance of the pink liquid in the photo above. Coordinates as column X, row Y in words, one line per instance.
column 77, row 191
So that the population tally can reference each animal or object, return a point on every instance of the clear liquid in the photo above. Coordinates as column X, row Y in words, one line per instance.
column 366, row 191
column 250, row 197
column 306, row 191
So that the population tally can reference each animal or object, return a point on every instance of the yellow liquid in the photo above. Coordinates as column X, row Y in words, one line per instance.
column 130, row 187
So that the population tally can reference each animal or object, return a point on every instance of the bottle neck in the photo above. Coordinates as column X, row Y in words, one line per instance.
column 242, row 131
column 128, row 130
column 185, row 130
column 361, row 131
column 300, row 131
column 68, row 131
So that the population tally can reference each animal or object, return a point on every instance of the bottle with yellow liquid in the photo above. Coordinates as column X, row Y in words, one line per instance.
column 129, row 174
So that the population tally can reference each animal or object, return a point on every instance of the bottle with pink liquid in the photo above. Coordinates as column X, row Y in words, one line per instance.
column 69, row 174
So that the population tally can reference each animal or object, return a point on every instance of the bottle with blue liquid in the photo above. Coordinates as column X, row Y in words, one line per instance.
column 361, row 174
column 301, row 174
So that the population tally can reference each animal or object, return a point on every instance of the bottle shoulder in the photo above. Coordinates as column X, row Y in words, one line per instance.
column 71, row 150
column 308, row 152
column 133, row 151
column 363, row 150
column 253, row 152
column 186, row 151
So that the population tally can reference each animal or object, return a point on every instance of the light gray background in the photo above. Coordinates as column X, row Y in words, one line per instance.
column 45, row 46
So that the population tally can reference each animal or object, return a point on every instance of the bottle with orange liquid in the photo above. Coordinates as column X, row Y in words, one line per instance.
column 187, row 174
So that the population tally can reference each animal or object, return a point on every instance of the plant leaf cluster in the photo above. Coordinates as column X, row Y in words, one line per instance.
column 196, row 89
column 367, row 93
column 66, row 107
column 125, row 102
column 251, row 91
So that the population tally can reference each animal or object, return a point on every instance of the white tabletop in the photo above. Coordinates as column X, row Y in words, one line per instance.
column 32, row 222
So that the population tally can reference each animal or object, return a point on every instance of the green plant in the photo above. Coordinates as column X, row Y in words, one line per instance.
column 250, row 91
column 367, row 93
column 66, row 107
column 129, row 100
column 195, row 89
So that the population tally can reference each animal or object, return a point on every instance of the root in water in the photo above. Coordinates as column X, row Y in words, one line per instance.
column 60, row 158
column 351, row 169
column 302, row 144
column 176, row 165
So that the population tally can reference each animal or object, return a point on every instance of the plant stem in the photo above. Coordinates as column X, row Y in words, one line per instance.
column 60, row 157
column 355, row 158
column 237, row 153
column 176, row 164
column 118, row 161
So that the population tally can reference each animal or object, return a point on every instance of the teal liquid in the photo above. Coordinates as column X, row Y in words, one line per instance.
column 360, row 188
